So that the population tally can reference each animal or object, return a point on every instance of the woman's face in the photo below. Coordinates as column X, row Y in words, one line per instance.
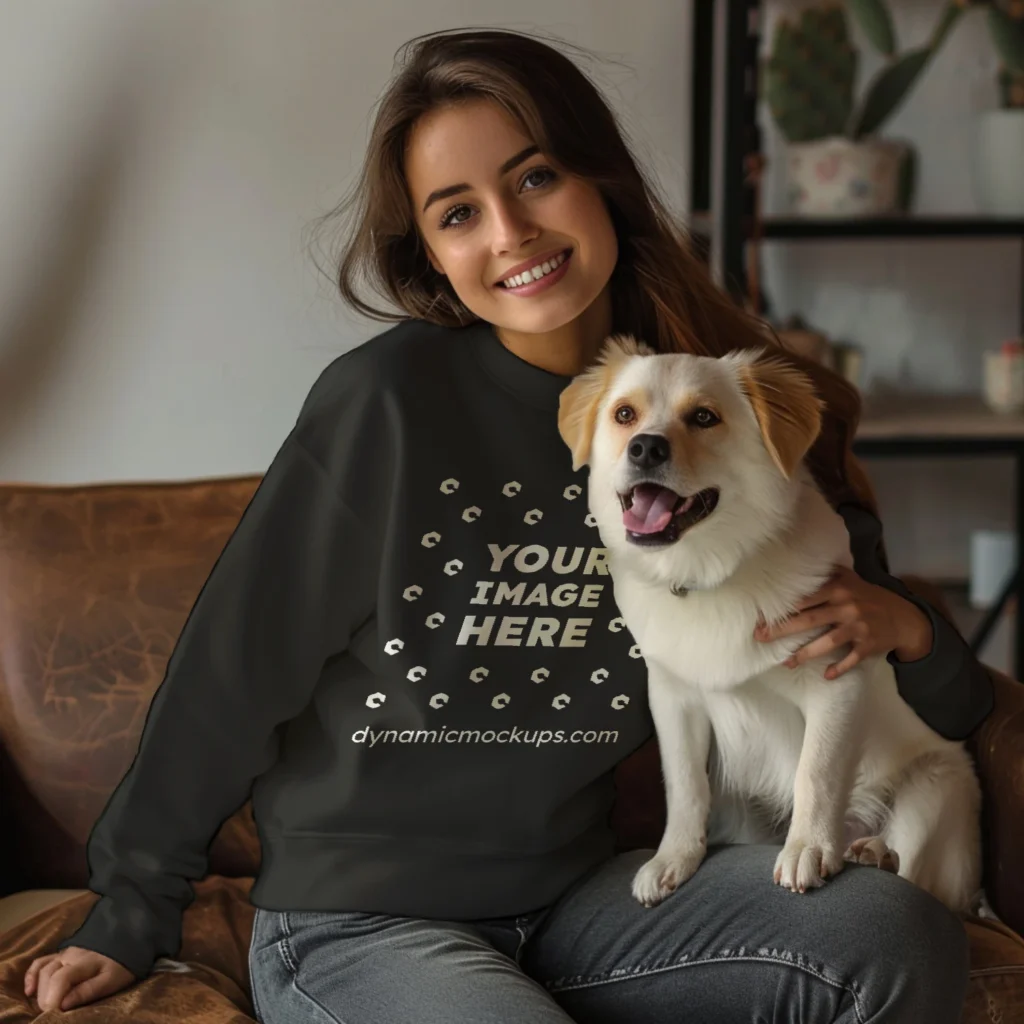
column 486, row 201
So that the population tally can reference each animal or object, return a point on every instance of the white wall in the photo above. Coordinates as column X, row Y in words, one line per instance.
column 923, row 310
column 159, row 316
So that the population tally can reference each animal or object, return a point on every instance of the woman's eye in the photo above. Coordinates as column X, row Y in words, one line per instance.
column 449, row 218
column 624, row 414
column 545, row 171
column 704, row 417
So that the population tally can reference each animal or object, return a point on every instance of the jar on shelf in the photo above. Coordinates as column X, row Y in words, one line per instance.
column 1003, row 378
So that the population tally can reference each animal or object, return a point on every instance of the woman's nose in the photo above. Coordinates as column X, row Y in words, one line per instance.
column 512, row 228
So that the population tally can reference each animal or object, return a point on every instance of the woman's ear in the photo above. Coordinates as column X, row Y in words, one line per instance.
column 787, row 409
column 579, row 403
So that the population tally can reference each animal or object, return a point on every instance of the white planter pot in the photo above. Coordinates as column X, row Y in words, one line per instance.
column 999, row 163
column 837, row 177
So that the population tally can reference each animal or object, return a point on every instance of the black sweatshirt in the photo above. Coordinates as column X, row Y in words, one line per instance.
column 409, row 654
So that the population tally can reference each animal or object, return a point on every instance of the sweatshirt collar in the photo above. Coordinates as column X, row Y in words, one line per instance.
column 537, row 386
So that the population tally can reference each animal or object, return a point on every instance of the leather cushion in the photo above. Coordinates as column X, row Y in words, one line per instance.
column 95, row 585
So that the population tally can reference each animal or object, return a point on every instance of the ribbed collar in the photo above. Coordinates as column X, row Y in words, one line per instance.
column 532, row 384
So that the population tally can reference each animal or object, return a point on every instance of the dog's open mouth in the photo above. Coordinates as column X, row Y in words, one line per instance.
column 653, row 514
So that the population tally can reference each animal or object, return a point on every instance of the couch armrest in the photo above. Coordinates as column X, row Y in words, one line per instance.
column 998, row 750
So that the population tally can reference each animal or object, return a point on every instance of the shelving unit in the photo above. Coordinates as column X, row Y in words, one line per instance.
column 726, row 137
column 726, row 146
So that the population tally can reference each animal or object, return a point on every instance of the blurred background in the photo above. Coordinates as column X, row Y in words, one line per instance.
column 161, row 316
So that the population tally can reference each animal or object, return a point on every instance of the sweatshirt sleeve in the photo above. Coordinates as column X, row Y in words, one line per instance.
column 290, row 587
column 948, row 688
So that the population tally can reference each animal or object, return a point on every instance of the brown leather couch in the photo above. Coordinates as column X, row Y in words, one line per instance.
column 95, row 584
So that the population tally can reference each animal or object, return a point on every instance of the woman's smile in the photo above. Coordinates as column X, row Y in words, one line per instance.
column 538, row 277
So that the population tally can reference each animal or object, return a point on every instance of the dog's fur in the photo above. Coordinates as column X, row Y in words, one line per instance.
column 753, row 750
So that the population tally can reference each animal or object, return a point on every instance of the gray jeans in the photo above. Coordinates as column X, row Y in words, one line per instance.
column 729, row 945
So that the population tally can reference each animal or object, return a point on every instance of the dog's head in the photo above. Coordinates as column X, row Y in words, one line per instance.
column 694, row 461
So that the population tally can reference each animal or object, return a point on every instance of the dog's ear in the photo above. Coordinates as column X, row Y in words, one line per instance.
column 579, row 402
column 787, row 408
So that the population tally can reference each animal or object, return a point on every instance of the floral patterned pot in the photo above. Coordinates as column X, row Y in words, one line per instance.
column 837, row 177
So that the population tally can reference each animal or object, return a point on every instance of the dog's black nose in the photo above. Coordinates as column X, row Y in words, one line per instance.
column 648, row 450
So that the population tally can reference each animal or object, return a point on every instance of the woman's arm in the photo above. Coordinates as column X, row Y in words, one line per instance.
column 294, row 582
column 948, row 687
column 285, row 595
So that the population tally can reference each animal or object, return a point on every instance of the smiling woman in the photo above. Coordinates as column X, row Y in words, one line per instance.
column 508, row 206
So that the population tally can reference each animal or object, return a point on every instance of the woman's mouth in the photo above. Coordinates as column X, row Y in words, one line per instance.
column 528, row 283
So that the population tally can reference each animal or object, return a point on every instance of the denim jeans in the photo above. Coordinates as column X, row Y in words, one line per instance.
column 729, row 945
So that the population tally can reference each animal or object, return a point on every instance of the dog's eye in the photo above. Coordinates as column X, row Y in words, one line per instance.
column 702, row 417
column 625, row 414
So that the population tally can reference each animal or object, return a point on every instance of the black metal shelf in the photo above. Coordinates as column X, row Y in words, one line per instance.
column 895, row 227
column 909, row 226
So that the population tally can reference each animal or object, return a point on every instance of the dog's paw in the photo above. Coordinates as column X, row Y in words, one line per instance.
column 872, row 850
column 664, row 873
column 803, row 865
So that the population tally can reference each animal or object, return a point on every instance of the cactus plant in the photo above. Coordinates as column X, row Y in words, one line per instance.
column 810, row 74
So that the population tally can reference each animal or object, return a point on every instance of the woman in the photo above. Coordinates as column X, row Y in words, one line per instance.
column 433, row 810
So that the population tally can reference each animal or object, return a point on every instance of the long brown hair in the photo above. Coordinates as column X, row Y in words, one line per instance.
column 661, row 291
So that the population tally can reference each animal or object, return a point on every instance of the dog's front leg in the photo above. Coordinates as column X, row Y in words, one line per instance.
column 829, row 755
column 684, row 738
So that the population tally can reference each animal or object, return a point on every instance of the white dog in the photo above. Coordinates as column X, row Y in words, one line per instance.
column 711, row 519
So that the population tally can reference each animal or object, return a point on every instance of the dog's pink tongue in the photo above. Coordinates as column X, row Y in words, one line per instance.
column 651, row 511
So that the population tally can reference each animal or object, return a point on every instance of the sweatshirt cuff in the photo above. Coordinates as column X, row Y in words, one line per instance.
column 929, row 684
column 945, row 659
column 119, row 933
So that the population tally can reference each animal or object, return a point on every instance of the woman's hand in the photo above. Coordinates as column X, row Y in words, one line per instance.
column 74, row 977
column 871, row 618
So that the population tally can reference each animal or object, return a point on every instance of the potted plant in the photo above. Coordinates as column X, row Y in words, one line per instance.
column 837, row 166
column 999, row 155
